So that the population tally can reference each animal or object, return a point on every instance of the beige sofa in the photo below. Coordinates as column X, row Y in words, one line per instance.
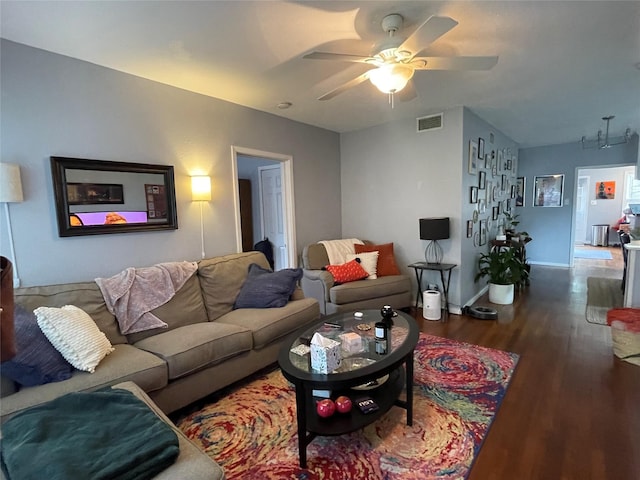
column 208, row 345
column 394, row 290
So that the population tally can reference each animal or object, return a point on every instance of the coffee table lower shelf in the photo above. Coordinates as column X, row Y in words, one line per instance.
column 310, row 424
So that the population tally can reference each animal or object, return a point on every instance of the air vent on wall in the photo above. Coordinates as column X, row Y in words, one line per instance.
column 430, row 122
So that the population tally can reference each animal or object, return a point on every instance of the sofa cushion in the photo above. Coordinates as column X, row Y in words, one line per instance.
column 221, row 279
column 368, row 261
column 36, row 361
column 126, row 363
column 192, row 462
column 194, row 347
column 266, row 289
column 386, row 259
column 75, row 335
column 271, row 324
column 347, row 272
column 370, row 289
column 85, row 295
column 185, row 308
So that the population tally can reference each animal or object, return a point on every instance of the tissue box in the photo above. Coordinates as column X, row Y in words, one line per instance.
column 351, row 342
column 325, row 358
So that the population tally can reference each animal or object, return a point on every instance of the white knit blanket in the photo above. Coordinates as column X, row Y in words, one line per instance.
column 337, row 250
column 133, row 293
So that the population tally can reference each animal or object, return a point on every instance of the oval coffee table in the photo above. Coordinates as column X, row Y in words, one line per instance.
column 361, row 374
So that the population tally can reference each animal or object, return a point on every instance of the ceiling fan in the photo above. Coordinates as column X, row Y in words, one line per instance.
column 395, row 61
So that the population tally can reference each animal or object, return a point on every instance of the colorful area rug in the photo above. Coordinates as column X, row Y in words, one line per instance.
column 603, row 294
column 592, row 254
column 458, row 389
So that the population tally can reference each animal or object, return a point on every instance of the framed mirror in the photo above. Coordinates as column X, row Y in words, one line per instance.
column 97, row 197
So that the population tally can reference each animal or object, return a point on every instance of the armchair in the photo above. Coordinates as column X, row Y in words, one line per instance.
column 393, row 290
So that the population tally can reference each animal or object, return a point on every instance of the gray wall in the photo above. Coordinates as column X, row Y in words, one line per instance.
column 551, row 228
column 55, row 105
column 392, row 176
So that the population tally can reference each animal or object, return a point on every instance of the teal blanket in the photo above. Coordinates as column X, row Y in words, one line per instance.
column 108, row 434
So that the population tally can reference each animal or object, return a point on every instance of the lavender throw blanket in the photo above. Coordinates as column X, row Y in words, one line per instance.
column 134, row 292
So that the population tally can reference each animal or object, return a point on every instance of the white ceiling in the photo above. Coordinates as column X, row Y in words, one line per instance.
column 562, row 65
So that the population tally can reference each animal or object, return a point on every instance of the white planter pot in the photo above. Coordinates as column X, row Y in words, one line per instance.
column 501, row 294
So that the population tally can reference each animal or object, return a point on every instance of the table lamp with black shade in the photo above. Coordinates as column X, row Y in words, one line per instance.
column 434, row 229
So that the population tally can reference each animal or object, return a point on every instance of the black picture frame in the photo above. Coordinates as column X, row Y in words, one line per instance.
column 480, row 148
column 494, row 213
column 95, row 193
column 520, row 186
column 469, row 228
column 473, row 194
column 482, row 180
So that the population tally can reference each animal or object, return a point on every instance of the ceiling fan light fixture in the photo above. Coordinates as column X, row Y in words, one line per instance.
column 391, row 78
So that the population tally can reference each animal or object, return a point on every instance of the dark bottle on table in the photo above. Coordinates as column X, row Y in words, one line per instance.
column 382, row 338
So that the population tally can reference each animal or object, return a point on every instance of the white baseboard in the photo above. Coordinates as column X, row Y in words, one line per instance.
column 548, row 264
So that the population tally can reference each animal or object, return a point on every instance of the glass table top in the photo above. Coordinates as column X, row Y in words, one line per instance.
column 356, row 336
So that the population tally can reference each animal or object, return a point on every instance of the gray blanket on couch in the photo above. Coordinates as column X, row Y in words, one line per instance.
column 108, row 434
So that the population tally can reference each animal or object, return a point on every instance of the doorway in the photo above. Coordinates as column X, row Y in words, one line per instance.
column 592, row 208
column 272, row 209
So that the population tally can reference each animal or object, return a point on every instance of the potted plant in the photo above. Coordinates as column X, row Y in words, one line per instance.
column 504, row 270
column 510, row 224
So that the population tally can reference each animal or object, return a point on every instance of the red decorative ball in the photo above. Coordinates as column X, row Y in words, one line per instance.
column 343, row 404
column 325, row 407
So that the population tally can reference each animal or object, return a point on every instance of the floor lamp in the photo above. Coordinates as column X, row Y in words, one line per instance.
column 201, row 192
column 434, row 229
column 11, row 192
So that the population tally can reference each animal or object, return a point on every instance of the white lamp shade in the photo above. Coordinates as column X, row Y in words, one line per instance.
column 391, row 78
column 10, row 184
column 201, row 188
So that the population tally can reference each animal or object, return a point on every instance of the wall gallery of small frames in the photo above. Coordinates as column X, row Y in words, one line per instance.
column 497, row 190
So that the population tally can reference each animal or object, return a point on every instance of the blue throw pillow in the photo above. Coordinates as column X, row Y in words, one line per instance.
column 36, row 361
column 266, row 289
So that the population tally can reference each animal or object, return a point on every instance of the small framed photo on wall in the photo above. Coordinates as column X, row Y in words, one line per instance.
column 520, row 184
column 473, row 157
column 481, row 148
column 482, row 180
column 473, row 195
column 469, row 228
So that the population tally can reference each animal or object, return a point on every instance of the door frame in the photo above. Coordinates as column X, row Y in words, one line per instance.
column 286, row 162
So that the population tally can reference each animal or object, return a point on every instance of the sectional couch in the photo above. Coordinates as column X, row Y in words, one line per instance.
column 208, row 344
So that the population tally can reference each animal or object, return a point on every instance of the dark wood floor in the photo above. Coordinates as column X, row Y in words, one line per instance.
column 572, row 410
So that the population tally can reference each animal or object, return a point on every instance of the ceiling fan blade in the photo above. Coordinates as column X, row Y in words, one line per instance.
column 407, row 93
column 340, row 57
column 430, row 30
column 456, row 63
column 345, row 86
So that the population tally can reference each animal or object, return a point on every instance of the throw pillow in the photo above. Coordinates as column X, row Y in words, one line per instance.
column 264, row 288
column 386, row 260
column 347, row 272
column 368, row 261
column 75, row 335
column 36, row 362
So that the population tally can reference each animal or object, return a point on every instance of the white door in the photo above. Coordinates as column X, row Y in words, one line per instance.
column 582, row 209
column 273, row 225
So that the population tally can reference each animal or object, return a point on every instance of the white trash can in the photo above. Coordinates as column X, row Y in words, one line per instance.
column 431, row 305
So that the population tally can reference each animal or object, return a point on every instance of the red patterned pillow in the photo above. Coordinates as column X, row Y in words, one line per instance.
column 347, row 272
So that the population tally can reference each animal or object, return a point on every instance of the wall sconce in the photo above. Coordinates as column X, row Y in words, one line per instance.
column 201, row 192
column 434, row 229
column 11, row 192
